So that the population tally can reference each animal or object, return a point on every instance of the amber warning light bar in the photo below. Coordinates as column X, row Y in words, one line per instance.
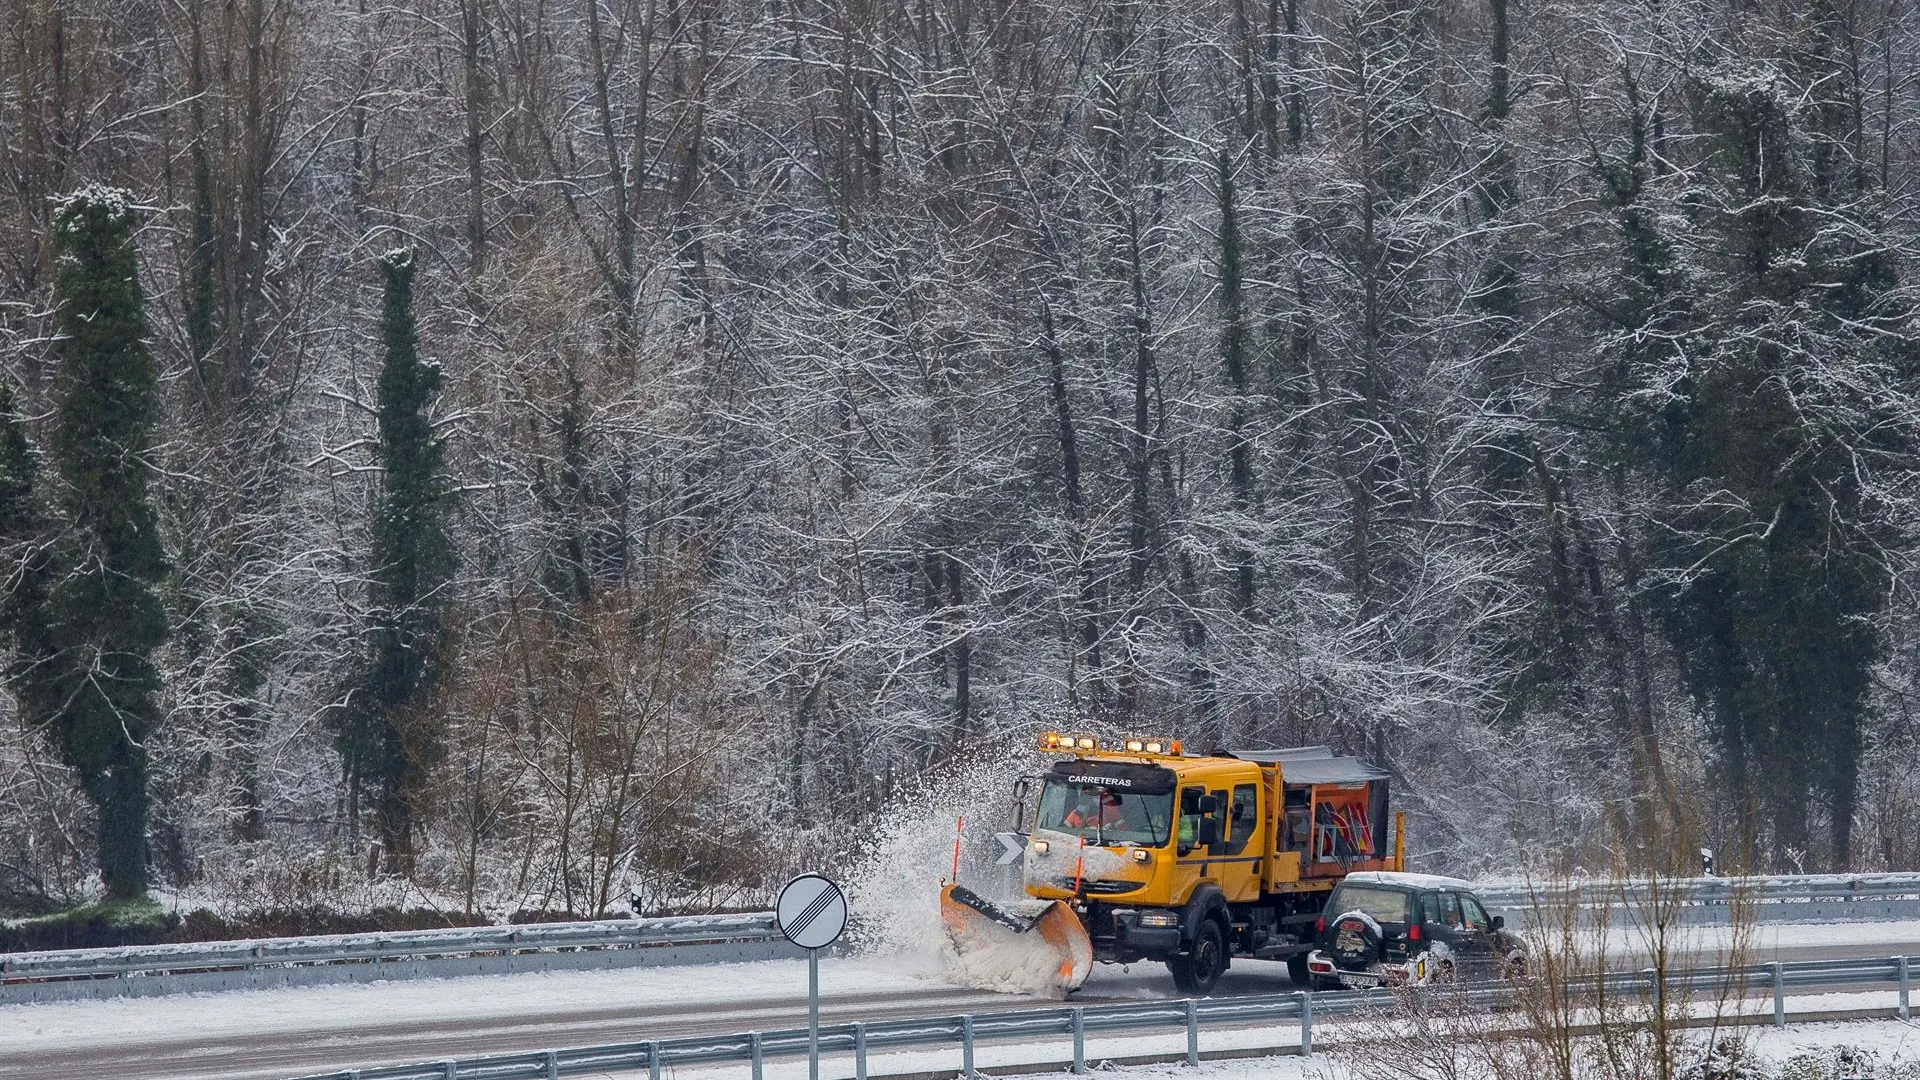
column 1059, row 742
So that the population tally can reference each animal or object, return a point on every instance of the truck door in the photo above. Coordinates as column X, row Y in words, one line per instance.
column 1190, row 855
column 1245, row 845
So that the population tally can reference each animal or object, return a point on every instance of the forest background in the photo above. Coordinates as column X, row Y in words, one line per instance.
column 608, row 447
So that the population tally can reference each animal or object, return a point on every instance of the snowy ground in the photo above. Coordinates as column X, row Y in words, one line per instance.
column 773, row 987
column 1770, row 937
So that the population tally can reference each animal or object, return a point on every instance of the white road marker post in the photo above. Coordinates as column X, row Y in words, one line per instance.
column 812, row 913
column 1906, row 1012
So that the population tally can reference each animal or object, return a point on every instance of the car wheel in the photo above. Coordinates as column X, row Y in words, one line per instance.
column 1357, row 941
column 1198, row 970
column 1444, row 973
column 1515, row 966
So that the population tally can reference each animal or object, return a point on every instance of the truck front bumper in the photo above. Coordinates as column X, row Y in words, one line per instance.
column 1132, row 941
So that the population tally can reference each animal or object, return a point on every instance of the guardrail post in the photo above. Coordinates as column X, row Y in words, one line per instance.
column 1905, row 983
column 859, row 1051
column 653, row 1060
column 1079, row 1041
column 966, row 1046
column 1306, row 1022
column 1193, row 1033
column 1653, row 987
column 759, row 1060
column 450, row 1069
column 1779, row 995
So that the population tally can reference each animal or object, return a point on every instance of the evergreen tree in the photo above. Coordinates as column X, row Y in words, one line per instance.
column 83, row 664
column 389, row 736
column 1787, row 395
column 18, row 522
column 23, row 554
column 1233, row 356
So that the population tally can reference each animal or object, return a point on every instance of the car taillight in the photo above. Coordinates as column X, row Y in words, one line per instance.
column 1413, row 932
column 1320, row 925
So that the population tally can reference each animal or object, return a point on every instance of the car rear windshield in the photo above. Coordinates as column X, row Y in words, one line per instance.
column 1385, row 905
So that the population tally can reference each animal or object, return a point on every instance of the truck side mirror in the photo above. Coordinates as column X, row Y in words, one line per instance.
column 1208, row 833
column 1499, row 922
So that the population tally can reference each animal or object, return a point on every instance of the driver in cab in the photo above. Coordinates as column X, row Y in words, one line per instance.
column 1096, row 810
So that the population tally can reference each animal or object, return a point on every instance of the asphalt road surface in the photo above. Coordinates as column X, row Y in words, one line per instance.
column 292, row 1047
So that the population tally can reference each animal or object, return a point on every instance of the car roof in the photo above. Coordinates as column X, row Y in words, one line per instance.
column 1411, row 881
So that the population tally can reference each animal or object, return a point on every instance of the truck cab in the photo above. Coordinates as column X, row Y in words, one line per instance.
column 1195, row 859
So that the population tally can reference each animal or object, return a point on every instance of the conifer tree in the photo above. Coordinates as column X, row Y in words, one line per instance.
column 83, row 665
column 17, row 471
column 23, row 568
column 1790, row 384
column 388, row 738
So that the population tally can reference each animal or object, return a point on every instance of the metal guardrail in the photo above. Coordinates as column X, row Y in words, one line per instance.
column 1759, row 891
column 1076, row 1022
column 488, row 941
column 493, row 949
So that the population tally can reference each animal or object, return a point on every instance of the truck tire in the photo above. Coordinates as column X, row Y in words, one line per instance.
column 1196, row 971
column 1297, row 970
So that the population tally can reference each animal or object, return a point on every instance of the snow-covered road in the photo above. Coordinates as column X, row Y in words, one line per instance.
column 278, row 1033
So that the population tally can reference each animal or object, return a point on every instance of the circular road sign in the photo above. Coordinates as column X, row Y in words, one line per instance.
column 812, row 911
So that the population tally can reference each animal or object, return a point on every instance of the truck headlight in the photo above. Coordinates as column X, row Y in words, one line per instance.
column 1160, row 919
column 1040, row 847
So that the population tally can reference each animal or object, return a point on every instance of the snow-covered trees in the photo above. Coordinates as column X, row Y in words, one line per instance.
column 1520, row 394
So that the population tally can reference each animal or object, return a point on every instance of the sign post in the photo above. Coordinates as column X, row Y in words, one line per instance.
column 812, row 912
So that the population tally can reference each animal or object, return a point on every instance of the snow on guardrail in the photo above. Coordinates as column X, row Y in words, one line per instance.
column 380, row 948
column 1773, row 889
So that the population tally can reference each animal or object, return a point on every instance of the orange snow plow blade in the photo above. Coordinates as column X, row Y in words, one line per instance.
column 975, row 924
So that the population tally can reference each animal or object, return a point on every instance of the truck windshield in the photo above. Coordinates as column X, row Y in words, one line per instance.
column 1103, row 815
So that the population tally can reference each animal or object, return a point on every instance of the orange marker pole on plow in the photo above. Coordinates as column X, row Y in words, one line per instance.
column 1080, row 866
column 959, row 827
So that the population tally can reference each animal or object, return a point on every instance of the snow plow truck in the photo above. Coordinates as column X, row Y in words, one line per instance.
column 1136, row 851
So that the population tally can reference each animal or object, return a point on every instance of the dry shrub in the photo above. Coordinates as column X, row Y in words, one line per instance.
column 1566, row 1020
column 585, row 760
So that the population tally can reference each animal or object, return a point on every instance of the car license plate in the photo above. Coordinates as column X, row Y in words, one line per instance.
column 1359, row 979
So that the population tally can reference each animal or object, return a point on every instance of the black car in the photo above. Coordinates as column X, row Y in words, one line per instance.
column 1398, row 929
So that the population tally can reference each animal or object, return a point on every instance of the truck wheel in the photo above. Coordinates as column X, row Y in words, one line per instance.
column 1198, row 971
column 1297, row 970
